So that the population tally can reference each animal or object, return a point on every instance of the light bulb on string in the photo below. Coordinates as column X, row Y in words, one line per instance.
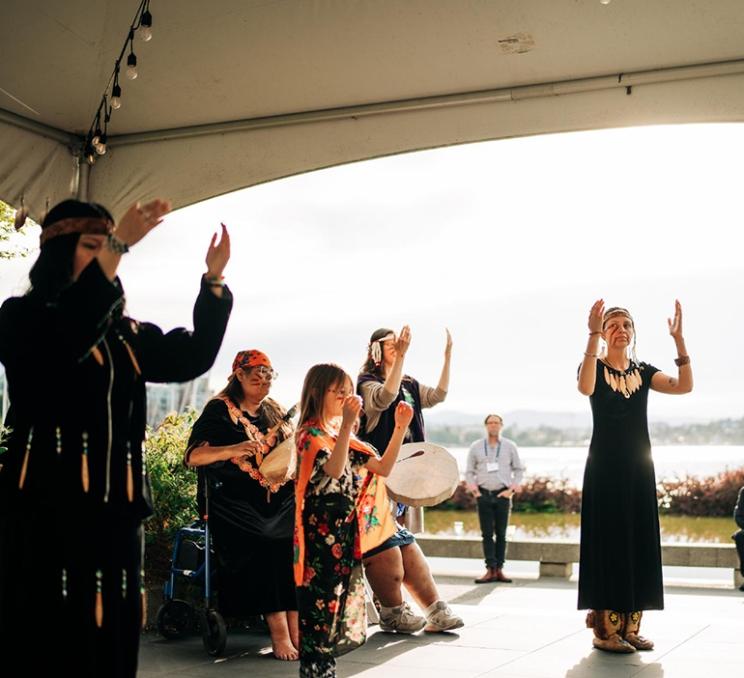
column 605, row 2
column 96, row 136
column 132, row 66
column 95, row 142
column 90, row 154
column 101, row 145
column 116, row 96
column 145, row 28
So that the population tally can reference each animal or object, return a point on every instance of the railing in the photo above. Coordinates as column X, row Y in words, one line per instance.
column 556, row 558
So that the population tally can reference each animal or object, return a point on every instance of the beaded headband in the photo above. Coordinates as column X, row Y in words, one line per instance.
column 612, row 312
column 87, row 225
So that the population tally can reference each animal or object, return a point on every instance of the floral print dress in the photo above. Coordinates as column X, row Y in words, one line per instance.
column 330, row 584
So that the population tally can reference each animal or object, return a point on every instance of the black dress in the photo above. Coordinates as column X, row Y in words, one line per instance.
column 252, row 529
column 73, row 485
column 620, row 567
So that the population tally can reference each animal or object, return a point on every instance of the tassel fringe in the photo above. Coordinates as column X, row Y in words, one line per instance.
column 130, row 478
column 84, row 474
column 24, row 467
column 99, row 598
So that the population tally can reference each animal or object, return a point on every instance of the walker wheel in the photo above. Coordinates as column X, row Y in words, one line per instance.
column 214, row 632
column 174, row 619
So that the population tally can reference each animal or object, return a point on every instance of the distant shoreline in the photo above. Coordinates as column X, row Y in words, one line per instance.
column 720, row 432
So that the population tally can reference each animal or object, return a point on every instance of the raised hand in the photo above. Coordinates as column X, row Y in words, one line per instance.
column 448, row 345
column 403, row 414
column 403, row 341
column 675, row 324
column 139, row 220
column 595, row 316
column 351, row 409
column 218, row 254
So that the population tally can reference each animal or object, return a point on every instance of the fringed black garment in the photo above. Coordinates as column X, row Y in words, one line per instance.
column 73, row 485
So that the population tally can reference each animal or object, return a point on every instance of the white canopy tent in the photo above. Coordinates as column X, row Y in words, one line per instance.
column 234, row 93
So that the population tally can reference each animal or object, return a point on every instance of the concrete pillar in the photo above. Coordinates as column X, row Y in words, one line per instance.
column 563, row 570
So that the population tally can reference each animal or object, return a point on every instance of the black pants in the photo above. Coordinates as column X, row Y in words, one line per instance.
column 493, row 514
column 738, row 538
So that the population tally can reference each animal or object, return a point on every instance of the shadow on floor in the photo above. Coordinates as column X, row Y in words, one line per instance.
column 600, row 663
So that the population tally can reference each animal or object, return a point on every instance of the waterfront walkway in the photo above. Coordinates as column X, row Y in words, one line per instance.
column 528, row 629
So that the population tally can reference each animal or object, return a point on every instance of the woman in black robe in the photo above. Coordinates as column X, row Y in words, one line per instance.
column 620, row 561
column 251, row 517
column 73, row 484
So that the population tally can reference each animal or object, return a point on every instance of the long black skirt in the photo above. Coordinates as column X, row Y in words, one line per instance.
column 254, row 555
column 70, row 597
column 620, row 567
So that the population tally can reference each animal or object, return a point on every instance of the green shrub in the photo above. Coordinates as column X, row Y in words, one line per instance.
column 538, row 495
column 173, row 490
column 4, row 433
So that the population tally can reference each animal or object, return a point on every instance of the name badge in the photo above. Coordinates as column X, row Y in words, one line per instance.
column 492, row 467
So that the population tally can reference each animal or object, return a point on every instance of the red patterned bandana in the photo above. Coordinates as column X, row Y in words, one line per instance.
column 247, row 359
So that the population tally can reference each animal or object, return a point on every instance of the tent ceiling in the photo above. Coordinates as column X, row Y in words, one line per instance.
column 237, row 60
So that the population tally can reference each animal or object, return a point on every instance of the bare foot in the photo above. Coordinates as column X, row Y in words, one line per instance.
column 283, row 649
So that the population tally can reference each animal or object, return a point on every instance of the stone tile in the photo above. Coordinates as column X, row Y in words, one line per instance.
column 691, row 668
column 530, row 630
column 450, row 657
column 359, row 670
column 724, row 633
column 509, row 638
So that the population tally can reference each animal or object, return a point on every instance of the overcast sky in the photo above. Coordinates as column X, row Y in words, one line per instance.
column 507, row 243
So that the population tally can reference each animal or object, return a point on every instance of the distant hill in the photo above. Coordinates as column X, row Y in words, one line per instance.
column 516, row 418
column 528, row 419
column 538, row 429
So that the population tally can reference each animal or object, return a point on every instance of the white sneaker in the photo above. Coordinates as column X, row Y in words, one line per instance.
column 401, row 619
column 442, row 618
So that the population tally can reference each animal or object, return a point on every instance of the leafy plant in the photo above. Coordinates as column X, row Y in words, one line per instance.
column 538, row 495
column 710, row 496
column 173, row 489
column 4, row 433
column 9, row 250
column 706, row 496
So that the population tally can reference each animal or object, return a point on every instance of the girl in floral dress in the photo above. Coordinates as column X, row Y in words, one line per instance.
column 340, row 504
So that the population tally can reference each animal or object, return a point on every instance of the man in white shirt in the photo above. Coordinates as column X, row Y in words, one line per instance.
column 494, row 474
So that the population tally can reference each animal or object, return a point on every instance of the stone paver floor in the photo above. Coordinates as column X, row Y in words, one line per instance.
column 528, row 629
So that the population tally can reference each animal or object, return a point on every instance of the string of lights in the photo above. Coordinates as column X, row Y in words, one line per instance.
column 95, row 140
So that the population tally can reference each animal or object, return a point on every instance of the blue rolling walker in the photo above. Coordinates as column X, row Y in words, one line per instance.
column 192, row 562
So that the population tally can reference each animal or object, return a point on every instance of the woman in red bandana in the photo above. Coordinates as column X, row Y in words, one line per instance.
column 341, row 503
column 251, row 516
column 73, row 483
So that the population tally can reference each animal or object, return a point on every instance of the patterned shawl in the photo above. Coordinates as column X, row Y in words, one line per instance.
column 372, row 507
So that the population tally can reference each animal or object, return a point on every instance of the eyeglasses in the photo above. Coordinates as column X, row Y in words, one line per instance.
column 265, row 373
column 341, row 392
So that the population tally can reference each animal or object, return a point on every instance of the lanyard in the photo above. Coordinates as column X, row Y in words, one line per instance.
column 485, row 448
